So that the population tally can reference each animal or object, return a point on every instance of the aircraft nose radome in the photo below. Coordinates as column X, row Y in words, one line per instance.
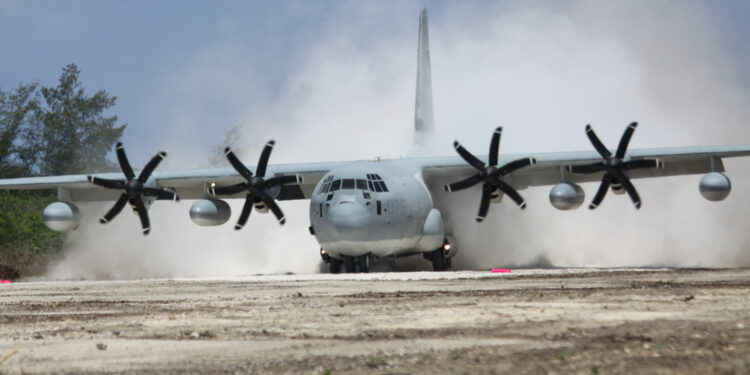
column 348, row 216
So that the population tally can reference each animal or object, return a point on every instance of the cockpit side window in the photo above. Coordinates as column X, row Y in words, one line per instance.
column 376, row 183
column 326, row 185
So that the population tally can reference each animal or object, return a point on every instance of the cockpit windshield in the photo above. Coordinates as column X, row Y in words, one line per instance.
column 330, row 185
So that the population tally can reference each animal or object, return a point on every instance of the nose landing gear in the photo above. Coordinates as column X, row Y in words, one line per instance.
column 351, row 264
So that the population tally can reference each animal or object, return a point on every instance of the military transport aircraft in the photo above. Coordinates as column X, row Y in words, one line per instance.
column 366, row 210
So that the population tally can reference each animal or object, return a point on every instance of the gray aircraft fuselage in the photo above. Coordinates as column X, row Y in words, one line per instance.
column 371, row 207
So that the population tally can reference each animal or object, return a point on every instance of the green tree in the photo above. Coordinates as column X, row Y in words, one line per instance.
column 48, row 131
column 17, row 108
column 71, row 135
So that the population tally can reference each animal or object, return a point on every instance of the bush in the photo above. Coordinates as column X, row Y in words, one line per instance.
column 26, row 244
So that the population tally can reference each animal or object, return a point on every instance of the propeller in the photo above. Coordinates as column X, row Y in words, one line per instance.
column 256, row 185
column 134, row 188
column 614, row 167
column 490, row 175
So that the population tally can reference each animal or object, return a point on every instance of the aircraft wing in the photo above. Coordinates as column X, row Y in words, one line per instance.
column 551, row 168
column 189, row 184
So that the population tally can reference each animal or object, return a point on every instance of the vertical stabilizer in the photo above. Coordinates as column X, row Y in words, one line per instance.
column 424, row 123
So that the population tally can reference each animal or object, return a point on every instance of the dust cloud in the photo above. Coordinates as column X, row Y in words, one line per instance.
column 542, row 71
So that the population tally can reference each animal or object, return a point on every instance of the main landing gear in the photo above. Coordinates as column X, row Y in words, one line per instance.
column 438, row 257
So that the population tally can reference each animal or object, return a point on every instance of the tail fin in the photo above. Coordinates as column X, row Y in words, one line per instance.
column 424, row 122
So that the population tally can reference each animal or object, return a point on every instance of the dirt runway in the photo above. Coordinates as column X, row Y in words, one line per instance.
column 529, row 321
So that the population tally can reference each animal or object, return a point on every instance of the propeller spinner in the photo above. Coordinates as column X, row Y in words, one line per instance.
column 490, row 175
column 614, row 167
column 256, row 185
column 134, row 188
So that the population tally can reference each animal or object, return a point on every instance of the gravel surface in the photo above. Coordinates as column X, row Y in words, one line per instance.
column 586, row 321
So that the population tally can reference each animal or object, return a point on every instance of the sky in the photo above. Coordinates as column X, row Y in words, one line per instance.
column 335, row 80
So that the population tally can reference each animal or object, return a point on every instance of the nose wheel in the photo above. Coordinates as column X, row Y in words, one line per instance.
column 351, row 264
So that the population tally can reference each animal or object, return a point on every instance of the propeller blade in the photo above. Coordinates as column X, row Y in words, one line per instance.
column 246, row 209
column 484, row 204
column 600, row 193
column 229, row 190
column 588, row 168
column 143, row 214
column 124, row 163
column 643, row 163
column 598, row 145
column 625, row 140
column 115, row 209
column 466, row 155
column 516, row 164
column 463, row 184
column 630, row 189
column 512, row 193
column 237, row 164
column 260, row 171
column 271, row 204
column 161, row 194
column 495, row 145
column 149, row 168
column 109, row 184
column 283, row 180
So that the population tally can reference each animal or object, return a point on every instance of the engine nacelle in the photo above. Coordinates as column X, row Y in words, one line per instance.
column 715, row 186
column 210, row 212
column 61, row 216
column 566, row 196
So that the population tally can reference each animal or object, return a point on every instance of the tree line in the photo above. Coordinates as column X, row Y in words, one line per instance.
column 47, row 131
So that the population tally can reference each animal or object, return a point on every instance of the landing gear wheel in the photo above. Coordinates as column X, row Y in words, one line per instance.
column 437, row 257
column 334, row 264
column 349, row 264
column 364, row 266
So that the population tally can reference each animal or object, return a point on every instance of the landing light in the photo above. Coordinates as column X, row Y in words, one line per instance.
column 322, row 252
column 447, row 247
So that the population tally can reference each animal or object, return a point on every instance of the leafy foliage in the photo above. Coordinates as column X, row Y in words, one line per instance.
column 47, row 131
column 74, row 137
column 25, row 241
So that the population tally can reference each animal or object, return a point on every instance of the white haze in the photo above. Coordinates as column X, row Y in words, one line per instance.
column 541, row 71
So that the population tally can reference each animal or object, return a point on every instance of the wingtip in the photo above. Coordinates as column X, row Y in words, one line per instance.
column 637, row 205
column 227, row 150
column 523, row 205
column 146, row 231
column 282, row 221
column 118, row 146
column 103, row 220
column 592, row 206
column 447, row 188
column 456, row 145
column 90, row 178
column 480, row 219
column 271, row 143
column 162, row 154
column 588, row 127
column 238, row 226
column 499, row 130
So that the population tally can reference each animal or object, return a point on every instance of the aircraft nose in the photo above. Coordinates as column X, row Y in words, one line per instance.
column 348, row 216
